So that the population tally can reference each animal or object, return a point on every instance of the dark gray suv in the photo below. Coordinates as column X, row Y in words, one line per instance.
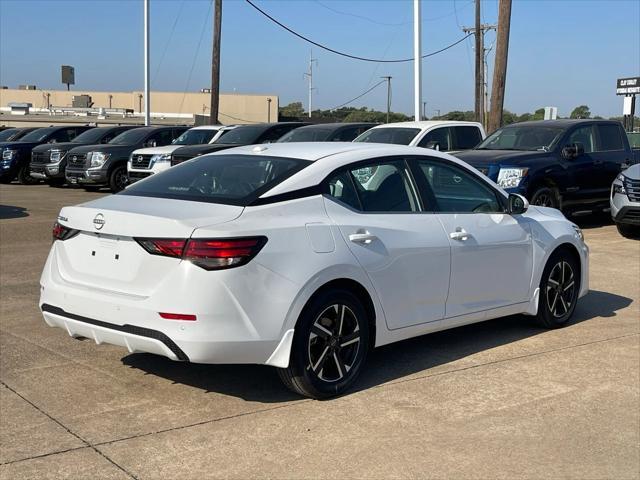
column 94, row 166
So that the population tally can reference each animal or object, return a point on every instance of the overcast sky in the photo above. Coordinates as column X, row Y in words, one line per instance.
column 562, row 53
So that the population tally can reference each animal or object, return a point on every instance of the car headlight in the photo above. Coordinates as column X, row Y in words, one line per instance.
column 9, row 154
column 98, row 158
column 56, row 155
column 578, row 232
column 161, row 157
column 511, row 177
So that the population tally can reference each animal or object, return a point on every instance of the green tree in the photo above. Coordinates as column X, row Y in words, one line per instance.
column 538, row 114
column 294, row 109
column 581, row 112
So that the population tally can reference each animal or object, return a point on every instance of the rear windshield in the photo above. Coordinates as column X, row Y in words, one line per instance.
column 396, row 135
column 228, row 179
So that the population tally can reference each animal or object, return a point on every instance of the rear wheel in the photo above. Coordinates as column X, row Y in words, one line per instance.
column 628, row 231
column 559, row 289
column 330, row 345
column 545, row 197
column 118, row 178
column 24, row 176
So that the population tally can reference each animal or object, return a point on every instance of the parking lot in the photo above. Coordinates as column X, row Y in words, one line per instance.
column 501, row 399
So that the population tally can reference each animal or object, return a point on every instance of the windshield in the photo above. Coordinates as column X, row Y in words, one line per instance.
column 7, row 134
column 525, row 137
column 242, row 136
column 38, row 135
column 396, row 135
column 195, row 137
column 93, row 135
column 130, row 137
column 229, row 179
column 306, row 135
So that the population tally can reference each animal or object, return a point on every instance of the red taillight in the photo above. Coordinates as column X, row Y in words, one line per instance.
column 214, row 254
column 169, row 247
column 207, row 253
column 60, row 232
column 177, row 316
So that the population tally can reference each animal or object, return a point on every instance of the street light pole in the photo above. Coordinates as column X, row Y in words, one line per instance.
column 417, row 53
column 388, row 79
column 147, row 102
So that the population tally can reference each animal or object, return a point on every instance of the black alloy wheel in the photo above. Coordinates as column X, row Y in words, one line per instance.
column 559, row 290
column 330, row 345
column 545, row 197
column 118, row 179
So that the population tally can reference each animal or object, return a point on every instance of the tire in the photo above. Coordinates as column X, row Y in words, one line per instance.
column 559, row 288
column 118, row 178
column 327, row 355
column 628, row 231
column 24, row 176
column 545, row 197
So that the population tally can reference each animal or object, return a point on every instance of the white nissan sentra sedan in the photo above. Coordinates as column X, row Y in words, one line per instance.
column 305, row 256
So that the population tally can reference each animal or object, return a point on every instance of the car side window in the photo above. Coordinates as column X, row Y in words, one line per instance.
column 465, row 137
column 111, row 135
column 62, row 136
column 162, row 138
column 440, row 137
column 610, row 138
column 275, row 133
column 583, row 135
column 347, row 134
column 378, row 187
column 455, row 190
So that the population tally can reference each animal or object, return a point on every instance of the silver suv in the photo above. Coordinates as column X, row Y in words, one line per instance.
column 625, row 202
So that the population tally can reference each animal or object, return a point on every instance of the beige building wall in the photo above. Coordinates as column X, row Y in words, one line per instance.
column 233, row 108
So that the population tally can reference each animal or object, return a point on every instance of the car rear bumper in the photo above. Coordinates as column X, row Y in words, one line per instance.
column 224, row 332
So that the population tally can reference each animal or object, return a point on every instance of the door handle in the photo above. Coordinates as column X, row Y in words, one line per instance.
column 598, row 162
column 459, row 234
column 364, row 238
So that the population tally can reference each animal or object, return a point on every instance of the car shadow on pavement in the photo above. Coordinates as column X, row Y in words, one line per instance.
column 386, row 364
column 595, row 220
column 11, row 211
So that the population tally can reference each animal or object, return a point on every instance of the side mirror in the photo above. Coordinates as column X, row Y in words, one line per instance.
column 433, row 145
column 572, row 151
column 517, row 204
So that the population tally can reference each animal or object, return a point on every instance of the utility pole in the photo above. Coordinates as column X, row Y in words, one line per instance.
column 478, row 31
column 388, row 79
column 417, row 59
column 424, row 110
column 215, row 63
column 309, row 74
column 500, row 66
column 147, row 100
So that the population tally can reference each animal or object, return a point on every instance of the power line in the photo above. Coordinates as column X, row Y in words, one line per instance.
column 359, row 96
column 166, row 46
column 355, row 57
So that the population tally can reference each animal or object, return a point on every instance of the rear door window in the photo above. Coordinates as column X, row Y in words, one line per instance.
column 438, row 139
column 465, row 137
column 610, row 138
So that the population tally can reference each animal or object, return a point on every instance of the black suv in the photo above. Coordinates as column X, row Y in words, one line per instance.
column 93, row 166
column 49, row 161
column 239, row 136
column 564, row 164
column 326, row 132
column 16, row 156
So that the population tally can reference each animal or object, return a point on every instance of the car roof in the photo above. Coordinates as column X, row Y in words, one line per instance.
column 208, row 127
column 560, row 122
column 425, row 124
column 335, row 126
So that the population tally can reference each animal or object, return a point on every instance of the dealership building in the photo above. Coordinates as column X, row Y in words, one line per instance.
column 30, row 106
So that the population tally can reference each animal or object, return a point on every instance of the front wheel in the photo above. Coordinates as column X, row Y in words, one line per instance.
column 330, row 345
column 24, row 176
column 559, row 289
column 628, row 231
column 118, row 179
column 545, row 197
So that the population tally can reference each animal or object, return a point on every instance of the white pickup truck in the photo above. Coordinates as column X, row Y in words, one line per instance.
column 443, row 135
column 147, row 161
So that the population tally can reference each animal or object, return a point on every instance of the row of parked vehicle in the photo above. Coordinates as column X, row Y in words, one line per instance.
column 565, row 164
